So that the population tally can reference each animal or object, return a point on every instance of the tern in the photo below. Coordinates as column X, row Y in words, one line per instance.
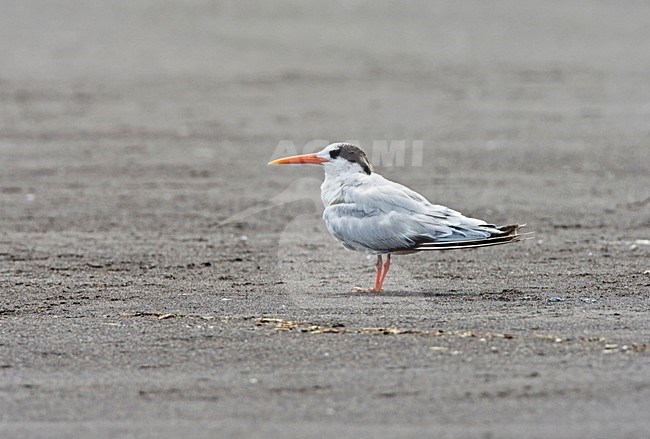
column 368, row 213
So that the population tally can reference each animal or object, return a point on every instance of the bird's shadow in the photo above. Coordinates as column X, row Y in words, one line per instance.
column 421, row 294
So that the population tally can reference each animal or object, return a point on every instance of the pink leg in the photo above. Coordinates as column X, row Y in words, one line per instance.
column 378, row 278
column 385, row 271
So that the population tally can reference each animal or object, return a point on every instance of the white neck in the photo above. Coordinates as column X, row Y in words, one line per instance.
column 339, row 176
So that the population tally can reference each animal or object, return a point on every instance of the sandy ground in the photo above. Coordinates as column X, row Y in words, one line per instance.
column 137, row 300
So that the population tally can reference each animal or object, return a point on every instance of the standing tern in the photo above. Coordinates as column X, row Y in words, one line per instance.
column 370, row 214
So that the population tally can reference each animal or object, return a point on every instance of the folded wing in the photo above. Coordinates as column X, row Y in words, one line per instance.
column 386, row 217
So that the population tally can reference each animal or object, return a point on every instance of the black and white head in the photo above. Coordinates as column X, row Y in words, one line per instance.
column 337, row 158
column 345, row 158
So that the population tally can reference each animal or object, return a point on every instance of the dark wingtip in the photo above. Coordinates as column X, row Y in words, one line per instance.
column 509, row 229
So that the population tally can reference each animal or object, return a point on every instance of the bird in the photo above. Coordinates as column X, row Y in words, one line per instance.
column 368, row 213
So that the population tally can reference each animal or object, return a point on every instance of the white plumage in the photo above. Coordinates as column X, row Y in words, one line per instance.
column 367, row 213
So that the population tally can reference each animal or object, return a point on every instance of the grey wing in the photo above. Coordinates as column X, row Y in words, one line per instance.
column 386, row 216
column 369, row 232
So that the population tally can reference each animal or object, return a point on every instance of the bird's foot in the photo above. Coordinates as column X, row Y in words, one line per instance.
column 365, row 290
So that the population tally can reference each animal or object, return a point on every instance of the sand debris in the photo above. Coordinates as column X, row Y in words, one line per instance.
column 390, row 331
column 552, row 338
column 165, row 316
column 282, row 325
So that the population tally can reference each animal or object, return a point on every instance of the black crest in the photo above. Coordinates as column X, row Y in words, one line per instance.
column 353, row 154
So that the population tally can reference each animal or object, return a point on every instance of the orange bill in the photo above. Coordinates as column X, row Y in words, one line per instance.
column 299, row 160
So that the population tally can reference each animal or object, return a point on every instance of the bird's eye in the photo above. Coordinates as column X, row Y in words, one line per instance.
column 335, row 153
